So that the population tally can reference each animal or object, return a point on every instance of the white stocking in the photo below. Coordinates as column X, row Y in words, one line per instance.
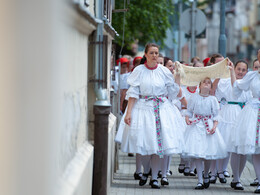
column 192, row 165
column 155, row 164
column 238, row 162
column 169, row 162
column 213, row 168
column 225, row 162
column 242, row 164
column 146, row 163
column 164, row 165
column 256, row 163
column 138, row 161
column 199, row 167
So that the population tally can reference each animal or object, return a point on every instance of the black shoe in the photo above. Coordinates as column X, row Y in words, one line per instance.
column 164, row 181
column 195, row 171
column 186, row 171
column 199, row 186
column 192, row 173
column 181, row 170
column 213, row 180
column 130, row 154
column 137, row 176
column 222, row 180
column 154, row 184
column 168, row 172
column 238, row 187
column 206, row 184
column 233, row 184
column 226, row 173
column 143, row 179
column 159, row 175
column 257, row 191
column 255, row 182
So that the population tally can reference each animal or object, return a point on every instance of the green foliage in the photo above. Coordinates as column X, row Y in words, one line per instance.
column 145, row 20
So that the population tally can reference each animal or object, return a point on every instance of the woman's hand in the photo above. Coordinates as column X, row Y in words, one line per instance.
column 230, row 65
column 128, row 118
column 188, row 122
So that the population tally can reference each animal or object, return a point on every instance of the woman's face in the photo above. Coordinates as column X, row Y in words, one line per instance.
column 152, row 55
column 170, row 66
column 240, row 70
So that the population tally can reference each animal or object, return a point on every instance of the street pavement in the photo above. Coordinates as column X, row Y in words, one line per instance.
column 124, row 184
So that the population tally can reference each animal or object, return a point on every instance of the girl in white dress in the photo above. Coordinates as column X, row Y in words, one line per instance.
column 187, row 166
column 203, row 139
column 246, row 136
column 151, row 127
column 231, row 106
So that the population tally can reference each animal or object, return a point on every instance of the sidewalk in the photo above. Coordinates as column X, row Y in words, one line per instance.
column 124, row 183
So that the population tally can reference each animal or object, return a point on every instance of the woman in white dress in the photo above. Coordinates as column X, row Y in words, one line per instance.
column 246, row 136
column 151, row 127
column 203, row 139
column 231, row 106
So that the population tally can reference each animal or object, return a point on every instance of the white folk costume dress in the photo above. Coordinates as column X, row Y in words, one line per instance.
column 155, row 126
column 230, row 107
column 202, row 111
column 246, row 135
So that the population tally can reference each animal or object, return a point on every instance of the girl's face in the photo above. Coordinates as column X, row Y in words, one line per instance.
column 240, row 70
column 170, row 66
column 205, row 84
column 152, row 55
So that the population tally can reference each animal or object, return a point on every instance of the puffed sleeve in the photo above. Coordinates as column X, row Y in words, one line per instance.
column 172, row 87
column 243, row 84
column 215, row 108
column 190, row 108
column 134, row 82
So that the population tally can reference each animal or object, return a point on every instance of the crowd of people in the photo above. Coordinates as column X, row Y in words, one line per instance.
column 208, row 125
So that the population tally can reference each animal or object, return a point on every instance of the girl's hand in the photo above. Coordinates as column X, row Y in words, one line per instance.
column 128, row 119
column 188, row 122
column 213, row 130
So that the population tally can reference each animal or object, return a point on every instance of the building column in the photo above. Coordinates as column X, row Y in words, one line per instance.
column 100, row 149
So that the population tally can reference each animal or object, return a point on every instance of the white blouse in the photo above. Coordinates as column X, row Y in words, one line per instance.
column 156, row 82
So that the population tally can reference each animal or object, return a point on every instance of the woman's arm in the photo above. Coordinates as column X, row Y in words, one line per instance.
column 214, row 86
column 232, row 72
column 131, row 102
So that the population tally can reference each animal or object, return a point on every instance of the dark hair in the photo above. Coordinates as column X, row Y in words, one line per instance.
column 241, row 61
column 148, row 45
column 160, row 55
column 143, row 60
column 165, row 60
column 196, row 57
column 213, row 58
column 182, row 62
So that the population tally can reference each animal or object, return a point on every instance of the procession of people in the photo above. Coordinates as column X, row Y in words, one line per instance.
column 209, row 118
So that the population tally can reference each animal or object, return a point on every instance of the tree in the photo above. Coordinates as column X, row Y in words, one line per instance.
column 145, row 21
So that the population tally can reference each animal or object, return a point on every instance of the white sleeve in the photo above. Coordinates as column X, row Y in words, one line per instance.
column 243, row 84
